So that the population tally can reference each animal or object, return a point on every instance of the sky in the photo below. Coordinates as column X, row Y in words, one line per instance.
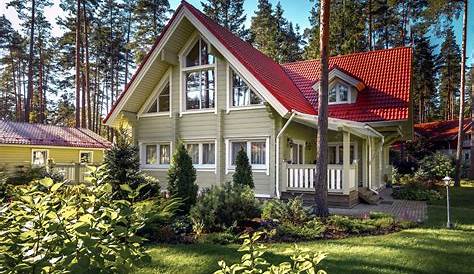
column 297, row 11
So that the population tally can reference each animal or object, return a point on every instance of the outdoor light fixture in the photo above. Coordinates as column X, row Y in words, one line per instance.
column 447, row 182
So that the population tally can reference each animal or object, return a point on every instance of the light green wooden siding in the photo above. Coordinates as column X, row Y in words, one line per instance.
column 13, row 156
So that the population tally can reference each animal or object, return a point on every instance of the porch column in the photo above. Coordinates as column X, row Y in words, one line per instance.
column 346, row 151
column 369, row 161
column 364, row 162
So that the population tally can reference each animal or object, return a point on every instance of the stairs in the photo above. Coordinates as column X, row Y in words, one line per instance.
column 368, row 196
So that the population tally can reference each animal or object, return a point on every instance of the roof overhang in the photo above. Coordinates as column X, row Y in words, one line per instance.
column 156, row 52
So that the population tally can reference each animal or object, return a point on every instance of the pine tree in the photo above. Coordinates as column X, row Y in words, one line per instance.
column 449, row 74
column 243, row 170
column 424, row 77
column 182, row 177
column 229, row 14
column 263, row 29
column 311, row 34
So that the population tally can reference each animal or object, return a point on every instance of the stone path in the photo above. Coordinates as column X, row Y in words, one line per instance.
column 400, row 209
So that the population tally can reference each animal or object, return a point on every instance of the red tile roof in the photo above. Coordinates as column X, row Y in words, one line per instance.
column 442, row 130
column 49, row 135
column 386, row 74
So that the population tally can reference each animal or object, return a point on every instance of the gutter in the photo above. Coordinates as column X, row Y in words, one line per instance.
column 277, row 156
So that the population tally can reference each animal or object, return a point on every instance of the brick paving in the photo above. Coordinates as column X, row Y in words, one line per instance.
column 400, row 209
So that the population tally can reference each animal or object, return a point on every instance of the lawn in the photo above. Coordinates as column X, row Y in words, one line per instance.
column 428, row 249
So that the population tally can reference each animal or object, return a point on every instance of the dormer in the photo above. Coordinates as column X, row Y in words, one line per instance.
column 343, row 88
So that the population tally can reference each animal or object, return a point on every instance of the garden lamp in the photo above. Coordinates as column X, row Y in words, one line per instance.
column 447, row 182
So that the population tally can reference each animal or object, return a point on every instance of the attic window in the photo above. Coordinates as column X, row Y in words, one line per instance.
column 162, row 102
column 242, row 94
column 199, row 55
column 339, row 93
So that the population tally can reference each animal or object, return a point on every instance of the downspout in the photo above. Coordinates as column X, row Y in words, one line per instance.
column 277, row 157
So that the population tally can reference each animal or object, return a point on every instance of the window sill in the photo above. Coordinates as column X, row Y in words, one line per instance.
column 154, row 167
column 339, row 103
column 198, row 111
column 254, row 169
column 245, row 108
column 157, row 114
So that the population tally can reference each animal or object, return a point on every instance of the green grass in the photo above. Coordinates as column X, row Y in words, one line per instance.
column 428, row 249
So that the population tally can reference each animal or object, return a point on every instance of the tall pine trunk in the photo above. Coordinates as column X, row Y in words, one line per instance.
column 40, row 102
column 87, row 70
column 321, row 188
column 78, row 64
column 457, row 176
column 471, row 167
column 29, row 95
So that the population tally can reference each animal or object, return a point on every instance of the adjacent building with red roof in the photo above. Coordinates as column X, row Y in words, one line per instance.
column 202, row 85
column 24, row 145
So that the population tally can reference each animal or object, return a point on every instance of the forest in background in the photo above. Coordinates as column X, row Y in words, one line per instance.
column 102, row 42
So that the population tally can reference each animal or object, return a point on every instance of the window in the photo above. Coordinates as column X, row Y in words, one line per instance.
column 156, row 155
column 339, row 93
column 39, row 157
column 256, row 150
column 203, row 155
column 199, row 77
column 162, row 102
column 242, row 95
column 85, row 157
column 297, row 153
column 336, row 154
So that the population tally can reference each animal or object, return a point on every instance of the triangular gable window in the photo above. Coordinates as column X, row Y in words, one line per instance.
column 242, row 94
column 162, row 102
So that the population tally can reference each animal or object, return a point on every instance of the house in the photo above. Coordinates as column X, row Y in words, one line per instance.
column 36, row 145
column 202, row 85
column 443, row 136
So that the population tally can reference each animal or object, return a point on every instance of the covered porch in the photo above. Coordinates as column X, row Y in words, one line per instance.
column 357, row 158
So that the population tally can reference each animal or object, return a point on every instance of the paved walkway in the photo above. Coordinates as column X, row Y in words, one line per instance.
column 400, row 209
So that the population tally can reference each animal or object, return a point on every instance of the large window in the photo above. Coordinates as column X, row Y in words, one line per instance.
column 339, row 93
column 39, row 157
column 297, row 153
column 241, row 93
column 156, row 155
column 199, row 75
column 202, row 154
column 162, row 102
column 256, row 150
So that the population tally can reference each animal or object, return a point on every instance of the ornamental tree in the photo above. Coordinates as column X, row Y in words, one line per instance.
column 243, row 170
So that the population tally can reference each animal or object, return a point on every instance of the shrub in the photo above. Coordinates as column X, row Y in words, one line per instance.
column 123, row 165
column 58, row 228
column 181, row 179
column 437, row 166
column 243, row 170
column 311, row 230
column 376, row 222
column 416, row 194
column 292, row 212
column 302, row 261
column 221, row 207
column 222, row 238
column 26, row 174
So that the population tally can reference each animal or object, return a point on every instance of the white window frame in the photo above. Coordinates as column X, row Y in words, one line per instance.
column 349, row 93
column 299, row 143
column 255, row 168
column 86, row 151
column 339, row 144
column 32, row 157
column 230, row 91
column 183, row 70
column 200, row 166
column 142, row 148
column 166, row 79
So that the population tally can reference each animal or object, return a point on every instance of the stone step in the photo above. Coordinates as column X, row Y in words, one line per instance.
column 368, row 196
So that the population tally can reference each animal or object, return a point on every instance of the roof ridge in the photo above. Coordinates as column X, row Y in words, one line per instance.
column 349, row 54
column 38, row 124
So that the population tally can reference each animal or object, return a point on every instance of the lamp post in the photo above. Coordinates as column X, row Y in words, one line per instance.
column 447, row 181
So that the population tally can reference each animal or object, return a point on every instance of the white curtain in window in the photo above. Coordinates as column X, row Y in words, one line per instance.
column 258, row 153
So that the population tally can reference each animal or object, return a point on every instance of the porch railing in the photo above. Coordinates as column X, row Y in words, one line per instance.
column 301, row 177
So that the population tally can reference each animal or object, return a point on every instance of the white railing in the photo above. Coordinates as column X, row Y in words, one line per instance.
column 72, row 172
column 301, row 177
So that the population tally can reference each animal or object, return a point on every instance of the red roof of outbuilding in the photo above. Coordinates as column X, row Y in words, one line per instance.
column 385, row 73
column 49, row 135
column 442, row 130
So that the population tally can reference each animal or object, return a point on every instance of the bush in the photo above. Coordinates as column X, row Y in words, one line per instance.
column 437, row 166
column 123, row 165
column 181, row 179
column 221, row 207
column 243, row 170
column 416, row 194
column 302, row 261
column 26, row 174
column 375, row 223
column 58, row 228
column 311, row 230
column 222, row 238
column 291, row 212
